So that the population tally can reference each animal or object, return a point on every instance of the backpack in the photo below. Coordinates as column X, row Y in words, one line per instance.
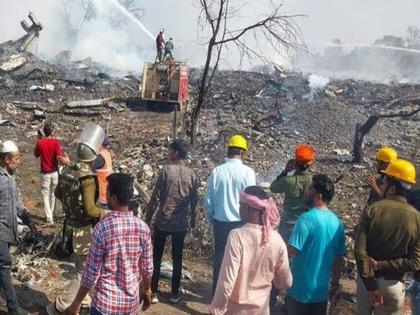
column 69, row 192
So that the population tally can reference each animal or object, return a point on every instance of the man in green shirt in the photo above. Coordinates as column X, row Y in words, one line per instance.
column 293, row 187
column 169, row 47
column 387, row 244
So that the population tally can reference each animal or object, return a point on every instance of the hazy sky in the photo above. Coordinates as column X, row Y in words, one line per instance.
column 353, row 21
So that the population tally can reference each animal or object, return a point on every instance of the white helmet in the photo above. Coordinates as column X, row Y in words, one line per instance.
column 162, row 30
column 8, row 146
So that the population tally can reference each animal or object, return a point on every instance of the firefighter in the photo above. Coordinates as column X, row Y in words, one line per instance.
column 160, row 45
column 169, row 47
column 78, row 191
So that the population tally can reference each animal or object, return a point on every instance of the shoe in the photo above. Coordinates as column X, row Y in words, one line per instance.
column 175, row 298
column 155, row 299
column 51, row 309
column 18, row 311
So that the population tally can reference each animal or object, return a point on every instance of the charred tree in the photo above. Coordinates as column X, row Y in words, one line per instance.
column 363, row 129
column 280, row 31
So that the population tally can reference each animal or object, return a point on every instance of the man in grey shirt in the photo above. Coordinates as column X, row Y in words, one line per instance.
column 11, row 207
column 176, row 194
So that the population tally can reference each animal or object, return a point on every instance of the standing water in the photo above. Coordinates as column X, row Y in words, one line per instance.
column 131, row 17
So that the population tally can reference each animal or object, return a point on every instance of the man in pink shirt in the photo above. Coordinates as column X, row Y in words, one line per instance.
column 48, row 148
column 255, row 258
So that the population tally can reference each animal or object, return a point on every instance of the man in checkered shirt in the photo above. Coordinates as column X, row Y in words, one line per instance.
column 120, row 259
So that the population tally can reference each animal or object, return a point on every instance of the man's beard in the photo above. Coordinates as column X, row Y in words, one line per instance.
column 11, row 170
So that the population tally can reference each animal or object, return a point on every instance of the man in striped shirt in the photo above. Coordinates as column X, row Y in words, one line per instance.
column 120, row 259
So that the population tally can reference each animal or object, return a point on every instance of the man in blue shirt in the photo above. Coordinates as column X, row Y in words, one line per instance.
column 317, row 245
column 222, row 197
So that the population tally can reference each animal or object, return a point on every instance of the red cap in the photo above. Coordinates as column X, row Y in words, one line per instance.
column 304, row 153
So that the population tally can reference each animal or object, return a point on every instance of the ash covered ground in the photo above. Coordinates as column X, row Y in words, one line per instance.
column 275, row 111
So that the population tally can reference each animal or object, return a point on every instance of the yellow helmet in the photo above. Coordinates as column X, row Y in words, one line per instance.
column 238, row 141
column 387, row 155
column 401, row 170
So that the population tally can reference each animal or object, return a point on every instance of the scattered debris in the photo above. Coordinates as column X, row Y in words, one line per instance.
column 166, row 269
column 45, row 87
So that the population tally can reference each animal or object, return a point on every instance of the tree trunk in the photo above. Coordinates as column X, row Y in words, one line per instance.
column 202, row 93
column 361, row 132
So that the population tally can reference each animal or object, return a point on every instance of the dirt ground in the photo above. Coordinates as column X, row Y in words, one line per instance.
column 36, row 298
column 130, row 128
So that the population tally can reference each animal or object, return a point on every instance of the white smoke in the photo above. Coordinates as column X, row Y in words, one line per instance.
column 317, row 84
column 129, row 47
column 65, row 28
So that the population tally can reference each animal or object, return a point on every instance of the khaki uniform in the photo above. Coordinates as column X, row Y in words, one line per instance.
column 82, row 233
column 388, row 231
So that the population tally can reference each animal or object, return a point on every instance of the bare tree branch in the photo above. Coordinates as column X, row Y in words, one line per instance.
column 279, row 30
column 206, row 11
column 363, row 130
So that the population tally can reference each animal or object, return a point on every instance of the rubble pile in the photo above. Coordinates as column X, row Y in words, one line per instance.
column 274, row 111
column 83, row 86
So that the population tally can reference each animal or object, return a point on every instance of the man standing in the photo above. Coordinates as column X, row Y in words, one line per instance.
column 48, row 149
column 160, row 45
column 120, row 257
column 169, row 47
column 102, row 166
column 384, row 157
column 176, row 192
column 78, row 192
column 11, row 207
column 293, row 187
column 387, row 244
column 255, row 258
column 222, row 197
column 317, row 245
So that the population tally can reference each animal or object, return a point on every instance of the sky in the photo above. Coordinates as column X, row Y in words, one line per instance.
column 353, row 21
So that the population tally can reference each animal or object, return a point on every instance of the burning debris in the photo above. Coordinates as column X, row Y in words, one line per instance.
column 274, row 111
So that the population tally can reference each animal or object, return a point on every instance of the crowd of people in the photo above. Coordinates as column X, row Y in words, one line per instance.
column 267, row 259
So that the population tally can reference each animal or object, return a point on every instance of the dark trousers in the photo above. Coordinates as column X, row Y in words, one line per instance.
column 159, row 240
column 296, row 308
column 221, row 232
column 5, row 277
column 285, row 232
column 94, row 311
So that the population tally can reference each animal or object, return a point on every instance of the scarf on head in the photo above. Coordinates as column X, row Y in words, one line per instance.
column 270, row 213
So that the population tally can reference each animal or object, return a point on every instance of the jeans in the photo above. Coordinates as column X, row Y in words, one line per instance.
column 415, row 298
column 168, row 52
column 159, row 240
column 94, row 311
column 221, row 232
column 285, row 231
column 393, row 292
column 5, row 277
column 296, row 308
column 48, row 183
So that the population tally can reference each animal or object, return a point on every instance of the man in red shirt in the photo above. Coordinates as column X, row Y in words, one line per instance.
column 160, row 45
column 120, row 262
column 48, row 149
